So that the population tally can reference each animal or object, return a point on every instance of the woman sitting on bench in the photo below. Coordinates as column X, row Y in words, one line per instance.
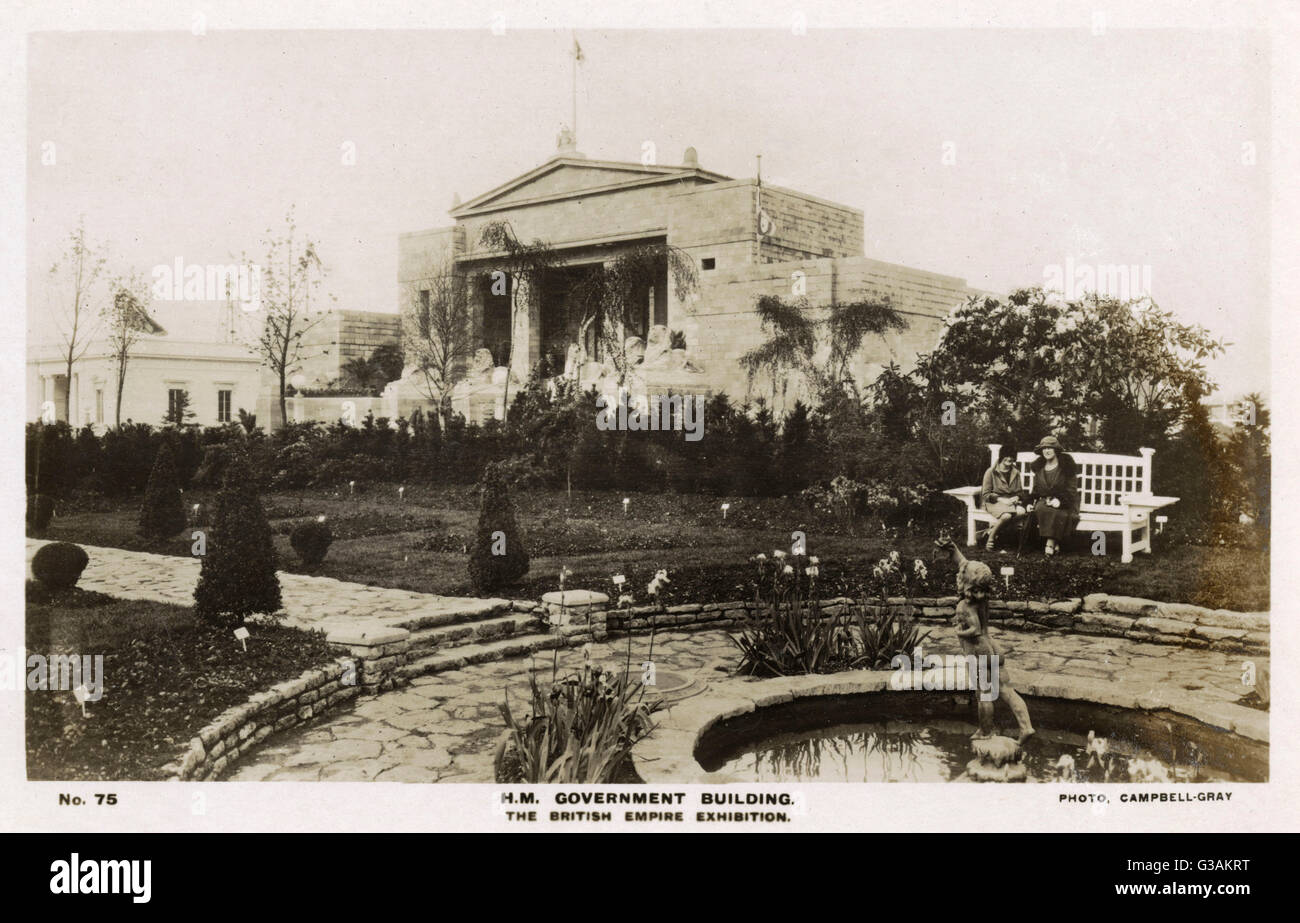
column 1001, row 494
column 1055, row 495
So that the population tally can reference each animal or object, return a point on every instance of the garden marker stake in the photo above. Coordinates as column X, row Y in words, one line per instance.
column 81, row 693
column 1160, row 524
column 241, row 634
column 352, row 487
column 725, row 507
column 401, row 494
column 626, row 501
column 1006, row 575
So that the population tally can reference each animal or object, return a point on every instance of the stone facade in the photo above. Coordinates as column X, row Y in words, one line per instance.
column 340, row 336
column 747, row 240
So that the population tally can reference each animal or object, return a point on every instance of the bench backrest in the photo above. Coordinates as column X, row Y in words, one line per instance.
column 1102, row 478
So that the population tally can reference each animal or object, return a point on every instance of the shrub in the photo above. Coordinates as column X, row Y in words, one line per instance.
column 40, row 510
column 162, row 514
column 237, row 577
column 497, row 557
column 581, row 729
column 58, row 565
column 295, row 465
column 311, row 541
column 789, row 634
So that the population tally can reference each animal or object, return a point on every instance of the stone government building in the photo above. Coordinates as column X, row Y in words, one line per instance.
column 747, row 239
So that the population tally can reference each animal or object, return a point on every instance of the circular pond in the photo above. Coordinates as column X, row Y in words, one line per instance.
column 925, row 737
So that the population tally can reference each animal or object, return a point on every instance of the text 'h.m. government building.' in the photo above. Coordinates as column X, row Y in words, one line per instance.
column 746, row 239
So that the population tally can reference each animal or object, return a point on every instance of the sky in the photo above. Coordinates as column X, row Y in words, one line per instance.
column 992, row 155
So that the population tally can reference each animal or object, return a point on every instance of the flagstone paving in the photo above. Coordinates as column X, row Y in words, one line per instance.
column 310, row 602
column 445, row 728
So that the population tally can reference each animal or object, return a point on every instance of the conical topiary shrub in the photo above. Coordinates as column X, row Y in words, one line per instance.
column 162, row 514
column 497, row 558
column 237, row 577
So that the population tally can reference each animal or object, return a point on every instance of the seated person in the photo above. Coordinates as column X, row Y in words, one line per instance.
column 1055, row 495
column 1002, row 494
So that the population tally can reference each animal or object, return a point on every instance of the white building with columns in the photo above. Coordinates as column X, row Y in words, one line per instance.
column 219, row 379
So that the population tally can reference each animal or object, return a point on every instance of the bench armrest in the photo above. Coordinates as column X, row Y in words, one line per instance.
column 966, row 495
column 1146, row 501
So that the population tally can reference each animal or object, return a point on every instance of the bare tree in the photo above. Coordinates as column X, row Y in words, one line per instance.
column 128, row 319
column 436, row 330
column 524, row 265
column 291, row 272
column 74, row 280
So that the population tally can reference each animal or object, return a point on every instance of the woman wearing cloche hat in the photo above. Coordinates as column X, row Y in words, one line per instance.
column 1055, row 494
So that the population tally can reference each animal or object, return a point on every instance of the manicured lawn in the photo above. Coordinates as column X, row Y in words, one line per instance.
column 165, row 675
column 419, row 545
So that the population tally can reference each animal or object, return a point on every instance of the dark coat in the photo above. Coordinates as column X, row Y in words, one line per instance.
column 1067, row 487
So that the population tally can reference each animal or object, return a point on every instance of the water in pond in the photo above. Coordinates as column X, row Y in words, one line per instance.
column 938, row 751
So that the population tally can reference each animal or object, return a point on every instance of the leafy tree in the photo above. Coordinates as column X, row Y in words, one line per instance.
column 820, row 343
column 1124, row 371
column 237, row 577
column 610, row 297
column 162, row 514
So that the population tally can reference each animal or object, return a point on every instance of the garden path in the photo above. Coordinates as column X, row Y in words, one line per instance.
column 445, row 727
column 311, row 602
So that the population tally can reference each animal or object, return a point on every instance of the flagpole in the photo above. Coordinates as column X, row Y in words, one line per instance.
column 575, row 52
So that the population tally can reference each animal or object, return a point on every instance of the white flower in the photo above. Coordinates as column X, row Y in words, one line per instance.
column 626, row 599
column 761, row 557
column 788, row 570
column 778, row 554
column 813, row 571
column 894, row 557
column 877, row 573
column 320, row 518
column 813, row 561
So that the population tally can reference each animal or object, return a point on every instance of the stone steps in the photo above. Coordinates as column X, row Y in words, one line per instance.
column 460, row 633
column 463, row 655
column 464, row 611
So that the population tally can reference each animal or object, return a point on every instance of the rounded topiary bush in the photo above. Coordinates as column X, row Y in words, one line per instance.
column 40, row 510
column 58, row 565
column 497, row 557
column 311, row 541
column 162, row 514
column 237, row 577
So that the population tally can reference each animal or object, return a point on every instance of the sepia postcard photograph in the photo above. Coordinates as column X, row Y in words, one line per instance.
column 661, row 424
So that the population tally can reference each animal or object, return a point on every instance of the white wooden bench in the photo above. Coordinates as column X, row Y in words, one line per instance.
column 1114, row 496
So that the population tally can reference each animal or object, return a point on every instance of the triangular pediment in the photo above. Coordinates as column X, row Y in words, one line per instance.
column 564, row 177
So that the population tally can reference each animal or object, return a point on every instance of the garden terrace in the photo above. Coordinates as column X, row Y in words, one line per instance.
column 418, row 544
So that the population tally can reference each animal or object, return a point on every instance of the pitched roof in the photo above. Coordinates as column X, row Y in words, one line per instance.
column 562, row 177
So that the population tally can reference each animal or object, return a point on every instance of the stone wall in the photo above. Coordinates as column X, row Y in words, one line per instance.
column 339, row 336
column 369, row 663
column 721, row 325
column 1097, row 614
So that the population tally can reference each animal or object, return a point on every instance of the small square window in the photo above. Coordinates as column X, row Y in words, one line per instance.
column 708, row 263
